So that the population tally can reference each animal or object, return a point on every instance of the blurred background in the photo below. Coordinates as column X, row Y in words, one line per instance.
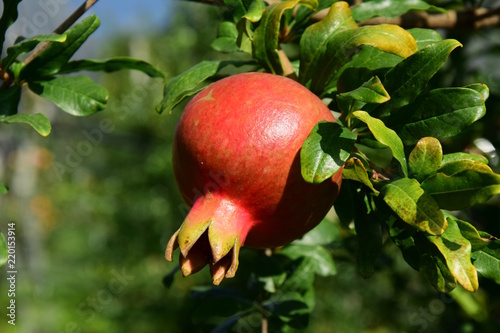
column 95, row 202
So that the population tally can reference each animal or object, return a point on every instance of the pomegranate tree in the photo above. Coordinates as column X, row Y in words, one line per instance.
column 236, row 158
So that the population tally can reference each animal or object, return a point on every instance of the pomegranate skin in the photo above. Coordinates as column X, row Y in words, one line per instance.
column 236, row 158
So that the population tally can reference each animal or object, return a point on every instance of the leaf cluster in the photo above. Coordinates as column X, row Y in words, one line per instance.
column 43, row 64
column 279, row 290
column 397, row 182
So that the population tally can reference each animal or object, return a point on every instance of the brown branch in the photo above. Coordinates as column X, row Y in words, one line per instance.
column 470, row 19
column 61, row 28
column 264, row 325
column 287, row 66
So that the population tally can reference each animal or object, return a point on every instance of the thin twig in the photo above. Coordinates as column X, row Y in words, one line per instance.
column 61, row 28
column 265, row 328
column 287, row 66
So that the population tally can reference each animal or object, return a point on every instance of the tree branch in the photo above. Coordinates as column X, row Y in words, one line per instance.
column 287, row 66
column 470, row 19
column 61, row 28
column 264, row 325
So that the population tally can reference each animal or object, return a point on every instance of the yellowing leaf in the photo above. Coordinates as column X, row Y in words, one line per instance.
column 329, row 44
column 457, row 253
column 414, row 206
column 355, row 170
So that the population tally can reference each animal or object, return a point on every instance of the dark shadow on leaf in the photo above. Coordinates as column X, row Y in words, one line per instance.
column 332, row 142
column 449, row 244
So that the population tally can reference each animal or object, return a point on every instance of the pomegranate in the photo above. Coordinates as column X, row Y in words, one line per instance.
column 236, row 159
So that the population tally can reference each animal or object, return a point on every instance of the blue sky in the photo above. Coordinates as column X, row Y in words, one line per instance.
column 133, row 15
column 117, row 16
column 124, row 16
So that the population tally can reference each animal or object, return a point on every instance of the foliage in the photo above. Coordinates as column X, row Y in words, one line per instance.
column 384, row 107
column 76, row 95
column 400, row 182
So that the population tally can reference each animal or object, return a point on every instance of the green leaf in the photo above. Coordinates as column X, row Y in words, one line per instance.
column 38, row 121
column 386, row 37
column 3, row 250
column 487, row 261
column 266, row 35
column 353, row 78
column 341, row 47
column 457, row 252
column 226, row 39
column 50, row 61
column 469, row 232
column 270, row 273
column 480, row 88
column 225, row 45
column 371, row 58
column 236, row 7
column 385, row 136
column 76, row 95
column 407, row 79
column 448, row 158
column 390, row 8
column 453, row 167
column 461, row 184
column 228, row 323
column 441, row 113
column 245, row 36
column 321, row 260
column 414, row 206
column 369, row 235
column 472, row 304
column 327, row 45
column 425, row 158
column 300, row 276
column 372, row 91
column 290, row 307
column 355, row 170
column 425, row 37
column 325, row 233
column 28, row 45
column 112, row 65
column 255, row 11
column 228, row 29
column 9, row 16
column 314, row 40
column 379, row 154
column 189, row 83
column 344, row 205
column 244, row 25
column 325, row 150
column 3, row 189
column 9, row 100
column 240, row 8
column 433, row 267
column 402, row 236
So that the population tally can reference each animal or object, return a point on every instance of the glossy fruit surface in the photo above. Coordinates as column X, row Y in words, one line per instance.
column 237, row 164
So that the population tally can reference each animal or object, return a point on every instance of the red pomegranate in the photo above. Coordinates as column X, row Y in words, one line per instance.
column 237, row 164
